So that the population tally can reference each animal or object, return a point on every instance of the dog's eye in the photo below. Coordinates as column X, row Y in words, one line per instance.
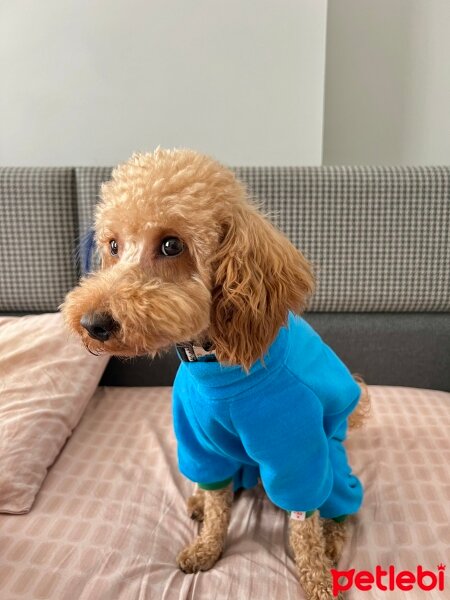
column 171, row 246
column 113, row 248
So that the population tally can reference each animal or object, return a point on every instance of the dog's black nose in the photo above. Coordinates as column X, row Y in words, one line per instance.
column 99, row 326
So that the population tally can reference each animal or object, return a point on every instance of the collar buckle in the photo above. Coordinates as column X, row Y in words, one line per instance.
column 188, row 352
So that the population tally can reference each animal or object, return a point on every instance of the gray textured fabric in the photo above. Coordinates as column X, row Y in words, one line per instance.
column 89, row 180
column 38, row 235
column 409, row 349
column 378, row 237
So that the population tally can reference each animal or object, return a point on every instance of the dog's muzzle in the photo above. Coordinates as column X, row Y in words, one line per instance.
column 100, row 326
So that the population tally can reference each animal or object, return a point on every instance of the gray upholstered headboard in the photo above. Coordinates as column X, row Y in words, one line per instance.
column 379, row 238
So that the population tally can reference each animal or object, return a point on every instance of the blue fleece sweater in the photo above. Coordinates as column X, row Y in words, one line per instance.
column 284, row 422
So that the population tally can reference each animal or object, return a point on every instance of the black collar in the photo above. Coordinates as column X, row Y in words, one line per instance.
column 190, row 352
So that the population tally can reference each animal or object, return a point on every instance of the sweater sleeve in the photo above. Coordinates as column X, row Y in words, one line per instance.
column 282, row 430
column 197, row 458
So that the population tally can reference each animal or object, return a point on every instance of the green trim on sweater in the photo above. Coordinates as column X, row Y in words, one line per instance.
column 340, row 519
column 218, row 485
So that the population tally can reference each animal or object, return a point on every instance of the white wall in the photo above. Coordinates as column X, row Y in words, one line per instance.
column 89, row 82
column 387, row 90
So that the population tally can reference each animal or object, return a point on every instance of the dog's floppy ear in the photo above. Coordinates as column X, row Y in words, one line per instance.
column 259, row 277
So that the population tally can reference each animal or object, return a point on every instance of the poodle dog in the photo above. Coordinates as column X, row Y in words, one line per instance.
column 189, row 260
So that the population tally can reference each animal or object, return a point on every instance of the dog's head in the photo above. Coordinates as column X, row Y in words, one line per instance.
column 185, row 256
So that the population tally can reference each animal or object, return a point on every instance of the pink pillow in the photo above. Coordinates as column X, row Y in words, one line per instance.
column 46, row 380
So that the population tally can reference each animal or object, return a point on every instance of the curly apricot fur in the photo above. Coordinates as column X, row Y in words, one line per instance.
column 234, row 284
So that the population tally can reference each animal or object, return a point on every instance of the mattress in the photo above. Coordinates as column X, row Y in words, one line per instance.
column 110, row 516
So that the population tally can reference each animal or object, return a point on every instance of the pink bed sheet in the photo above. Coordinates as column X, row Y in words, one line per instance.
column 110, row 517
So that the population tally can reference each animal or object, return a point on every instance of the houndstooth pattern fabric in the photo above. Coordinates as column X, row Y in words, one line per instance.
column 89, row 180
column 378, row 237
column 38, row 234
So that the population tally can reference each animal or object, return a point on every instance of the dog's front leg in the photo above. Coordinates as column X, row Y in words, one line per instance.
column 313, row 565
column 206, row 549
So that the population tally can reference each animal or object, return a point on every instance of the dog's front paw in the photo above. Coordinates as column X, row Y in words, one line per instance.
column 199, row 556
column 335, row 536
column 318, row 588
